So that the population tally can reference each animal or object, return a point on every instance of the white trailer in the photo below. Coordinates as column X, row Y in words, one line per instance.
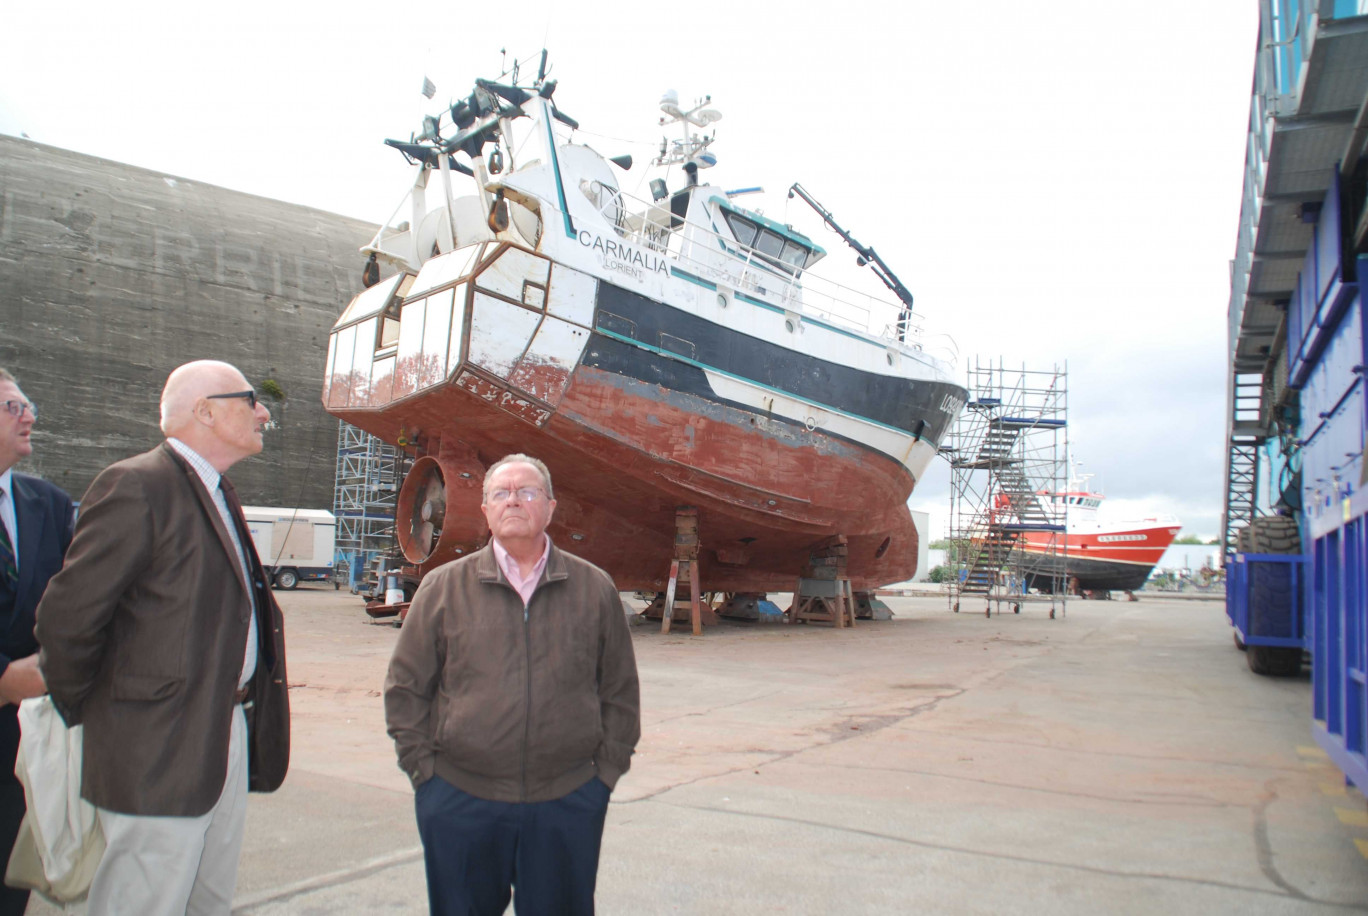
column 295, row 545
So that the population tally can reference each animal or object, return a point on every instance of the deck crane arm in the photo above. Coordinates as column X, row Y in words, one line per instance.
column 867, row 256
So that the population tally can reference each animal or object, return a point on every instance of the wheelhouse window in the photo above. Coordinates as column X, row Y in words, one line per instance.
column 794, row 255
column 769, row 243
column 784, row 253
column 742, row 228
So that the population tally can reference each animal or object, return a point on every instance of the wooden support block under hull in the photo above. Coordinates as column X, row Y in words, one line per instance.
column 823, row 601
column 824, row 593
column 685, row 563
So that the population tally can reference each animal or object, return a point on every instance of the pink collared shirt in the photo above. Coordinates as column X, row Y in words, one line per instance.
column 523, row 585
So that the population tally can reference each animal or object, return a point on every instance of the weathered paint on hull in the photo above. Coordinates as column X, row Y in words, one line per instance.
column 625, row 453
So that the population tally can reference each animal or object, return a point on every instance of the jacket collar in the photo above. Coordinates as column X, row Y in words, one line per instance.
column 207, row 504
column 487, row 565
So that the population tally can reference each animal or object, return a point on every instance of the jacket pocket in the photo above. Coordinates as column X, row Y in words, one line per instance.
column 146, row 687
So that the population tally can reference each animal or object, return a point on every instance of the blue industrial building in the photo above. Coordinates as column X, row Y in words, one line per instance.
column 1297, row 412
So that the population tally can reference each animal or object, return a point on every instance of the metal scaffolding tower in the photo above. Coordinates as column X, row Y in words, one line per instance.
column 369, row 472
column 1008, row 473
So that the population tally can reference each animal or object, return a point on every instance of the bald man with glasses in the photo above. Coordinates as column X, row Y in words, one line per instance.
column 161, row 636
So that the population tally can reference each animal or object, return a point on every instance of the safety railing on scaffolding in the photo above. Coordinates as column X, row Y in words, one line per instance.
column 1008, row 457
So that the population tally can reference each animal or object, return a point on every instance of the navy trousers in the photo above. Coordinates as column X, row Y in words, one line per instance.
column 476, row 852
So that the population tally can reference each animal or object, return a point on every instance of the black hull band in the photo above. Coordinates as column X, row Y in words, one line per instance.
column 911, row 405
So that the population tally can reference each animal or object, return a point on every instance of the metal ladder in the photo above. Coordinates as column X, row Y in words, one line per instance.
column 1246, row 433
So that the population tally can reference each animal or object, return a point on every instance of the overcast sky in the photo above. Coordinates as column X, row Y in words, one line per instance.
column 1055, row 182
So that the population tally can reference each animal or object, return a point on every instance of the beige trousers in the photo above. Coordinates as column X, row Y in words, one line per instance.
column 169, row 866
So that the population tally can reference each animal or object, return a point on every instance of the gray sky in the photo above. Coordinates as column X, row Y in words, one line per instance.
column 1055, row 182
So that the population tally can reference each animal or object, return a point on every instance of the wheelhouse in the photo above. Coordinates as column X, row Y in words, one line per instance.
column 777, row 244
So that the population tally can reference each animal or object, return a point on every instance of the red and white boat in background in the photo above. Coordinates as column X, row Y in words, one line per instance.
column 1095, row 555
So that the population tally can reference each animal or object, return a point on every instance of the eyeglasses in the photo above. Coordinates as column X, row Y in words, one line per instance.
column 17, row 408
column 524, row 494
column 249, row 395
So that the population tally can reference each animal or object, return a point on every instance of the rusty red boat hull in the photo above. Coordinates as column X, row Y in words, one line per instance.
column 616, row 501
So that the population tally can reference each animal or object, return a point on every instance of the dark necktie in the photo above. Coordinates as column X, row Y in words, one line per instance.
column 9, row 568
column 265, row 645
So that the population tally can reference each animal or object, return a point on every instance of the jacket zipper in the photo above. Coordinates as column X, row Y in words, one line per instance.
column 527, row 699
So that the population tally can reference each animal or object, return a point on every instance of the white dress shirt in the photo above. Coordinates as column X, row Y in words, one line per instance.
column 8, row 518
column 210, row 478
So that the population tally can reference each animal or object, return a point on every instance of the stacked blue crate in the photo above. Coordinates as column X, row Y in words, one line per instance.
column 1326, row 362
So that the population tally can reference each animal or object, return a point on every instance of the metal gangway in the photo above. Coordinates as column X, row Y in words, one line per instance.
column 1009, row 471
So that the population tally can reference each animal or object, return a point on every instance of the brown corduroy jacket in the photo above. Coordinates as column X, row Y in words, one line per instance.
column 142, row 637
column 510, row 703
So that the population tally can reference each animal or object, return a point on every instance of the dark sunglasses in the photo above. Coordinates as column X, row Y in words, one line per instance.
column 249, row 395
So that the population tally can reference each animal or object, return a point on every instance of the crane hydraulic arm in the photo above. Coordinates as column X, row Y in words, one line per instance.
column 867, row 256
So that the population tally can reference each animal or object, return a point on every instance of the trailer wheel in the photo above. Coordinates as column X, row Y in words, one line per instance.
column 1274, row 661
column 1272, row 534
column 1275, row 534
column 287, row 578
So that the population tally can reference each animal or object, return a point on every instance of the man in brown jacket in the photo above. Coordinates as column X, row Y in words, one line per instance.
column 162, row 638
column 512, row 699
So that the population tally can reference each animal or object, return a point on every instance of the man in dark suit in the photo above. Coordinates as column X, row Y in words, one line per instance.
column 35, row 529
column 161, row 637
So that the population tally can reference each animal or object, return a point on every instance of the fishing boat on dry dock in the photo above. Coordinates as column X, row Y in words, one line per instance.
column 676, row 363
column 1098, row 556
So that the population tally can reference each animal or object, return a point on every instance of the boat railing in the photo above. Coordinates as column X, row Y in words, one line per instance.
column 722, row 260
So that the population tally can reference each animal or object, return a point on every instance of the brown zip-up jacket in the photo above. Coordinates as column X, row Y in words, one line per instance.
column 513, row 703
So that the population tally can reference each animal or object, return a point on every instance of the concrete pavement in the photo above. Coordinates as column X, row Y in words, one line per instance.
column 1121, row 759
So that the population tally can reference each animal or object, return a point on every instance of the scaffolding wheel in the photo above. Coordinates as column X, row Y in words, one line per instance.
column 1016, row 609
column 1052, row 613
column 956, row 607
column 988, row 610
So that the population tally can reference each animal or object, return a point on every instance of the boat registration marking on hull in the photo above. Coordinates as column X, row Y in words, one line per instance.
column 503, row 399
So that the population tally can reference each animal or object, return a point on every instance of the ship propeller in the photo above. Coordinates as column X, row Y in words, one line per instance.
column 422, row 509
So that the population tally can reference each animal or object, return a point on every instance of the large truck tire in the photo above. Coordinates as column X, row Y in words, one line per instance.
column 1274, row 534
column 1274, row 661
column 1270, row 595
